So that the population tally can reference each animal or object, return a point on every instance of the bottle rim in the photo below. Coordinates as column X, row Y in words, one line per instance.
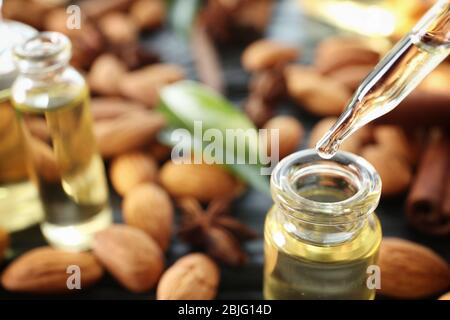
column 344, row 165
column 44, row 52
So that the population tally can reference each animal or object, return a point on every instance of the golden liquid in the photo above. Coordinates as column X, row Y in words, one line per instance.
column 299, row 269
column 19, row 204
column 67, row 168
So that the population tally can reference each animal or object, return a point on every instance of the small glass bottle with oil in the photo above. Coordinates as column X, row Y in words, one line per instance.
column 19, row 203
column 322, row 236
column 61, row 151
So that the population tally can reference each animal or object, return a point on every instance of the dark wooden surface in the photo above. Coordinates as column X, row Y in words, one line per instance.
column 245, row 282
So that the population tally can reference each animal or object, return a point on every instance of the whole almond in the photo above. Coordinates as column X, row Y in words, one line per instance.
column 4, row 243
column 290, row 134
column 107, row 108
column 394, row 139
column 265, row 54
column 143, row 85
column 118, row 28
column 105, row 74
column 394, row 171
column 131, row 256
column 201, row 181
column 45, row 270
column 351, row 76
column 130, row 169
column 319, row 95
column 127, row 132
column 148, row 207
column 338, row 52
column 193, row 277
column 410, row 270
column 352, row 144
column 44, row 160
column 148, row 14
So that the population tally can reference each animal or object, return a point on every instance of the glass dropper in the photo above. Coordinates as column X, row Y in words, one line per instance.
column 395, row 76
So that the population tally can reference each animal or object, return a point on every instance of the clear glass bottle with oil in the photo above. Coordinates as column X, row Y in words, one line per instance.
column 52, row 103
column 322, row 235
column 19, row 202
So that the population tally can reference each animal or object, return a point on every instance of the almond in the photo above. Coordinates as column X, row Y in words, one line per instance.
column 339, row 52
column 265, row 54
column 128, row 132
column 4, row 243
column 351, row 76
column 44, row 160
column 193, row 277
column 148, row 14
column 118, row 28
column 317, row 94
column 201, row 181
column 148, row 207
column 105, row 74
column 45, row 270
column 143, row 85
column 130, row 169
column 132, row 257
column 107, row 108
column 394, row 139
column 410, row 270
column 290, row 134
column 352, row 144
column 395, row 172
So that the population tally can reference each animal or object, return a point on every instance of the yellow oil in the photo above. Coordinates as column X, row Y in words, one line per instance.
column 299, row 269
column 19, row 204
column 67, row 169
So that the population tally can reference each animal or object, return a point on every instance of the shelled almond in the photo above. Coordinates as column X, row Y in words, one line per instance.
column 105, row 75
column 318, row 94
column 45, row 270
column 130, row 169
column 290, row 134
column 410, row 270
column 131, row 256
column 144, row 84
column 149, row 208
column 193, row 277
column 201, row 181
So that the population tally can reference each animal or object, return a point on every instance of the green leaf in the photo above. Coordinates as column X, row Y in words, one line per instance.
column 183, row 14
column 186, row 102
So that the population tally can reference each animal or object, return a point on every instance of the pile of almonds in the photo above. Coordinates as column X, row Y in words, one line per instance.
column 125, row 79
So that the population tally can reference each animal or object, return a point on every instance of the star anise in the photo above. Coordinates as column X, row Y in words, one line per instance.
column 214, row 230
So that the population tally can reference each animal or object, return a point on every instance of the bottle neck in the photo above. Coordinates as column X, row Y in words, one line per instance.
column 43, row 56
column 324, row 201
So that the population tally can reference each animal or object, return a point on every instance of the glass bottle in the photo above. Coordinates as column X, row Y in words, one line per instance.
column 62, row 154
column 19, row 202
column 321, row 235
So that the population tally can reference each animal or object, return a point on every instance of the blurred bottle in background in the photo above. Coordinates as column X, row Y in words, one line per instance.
column 19, row 203
column 375, row 18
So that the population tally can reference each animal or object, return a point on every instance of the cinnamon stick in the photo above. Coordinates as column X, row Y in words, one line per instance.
column 206, row 58
column 421, row 108
column 427, row 206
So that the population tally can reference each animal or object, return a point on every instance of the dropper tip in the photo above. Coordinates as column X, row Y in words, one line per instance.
column 326, row 148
